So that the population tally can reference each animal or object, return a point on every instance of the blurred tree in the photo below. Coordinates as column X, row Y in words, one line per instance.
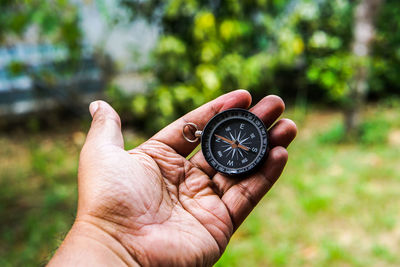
column 56, row 21
column 364, row 32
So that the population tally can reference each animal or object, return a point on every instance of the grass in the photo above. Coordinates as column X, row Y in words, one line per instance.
column 337, row 204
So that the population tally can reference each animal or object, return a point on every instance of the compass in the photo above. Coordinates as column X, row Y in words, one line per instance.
column 234, row 142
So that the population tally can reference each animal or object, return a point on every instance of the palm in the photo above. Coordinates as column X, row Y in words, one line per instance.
column 175, row 200
column 167, row 210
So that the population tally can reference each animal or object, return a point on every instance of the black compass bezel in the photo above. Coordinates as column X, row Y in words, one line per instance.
column 234, row 114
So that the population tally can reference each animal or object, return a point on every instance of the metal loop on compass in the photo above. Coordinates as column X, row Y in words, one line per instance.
column 197, row 132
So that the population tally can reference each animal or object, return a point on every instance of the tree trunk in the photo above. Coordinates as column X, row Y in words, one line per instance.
column 364, row 32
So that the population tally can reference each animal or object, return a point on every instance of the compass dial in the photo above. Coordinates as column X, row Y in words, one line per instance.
column 235, row 142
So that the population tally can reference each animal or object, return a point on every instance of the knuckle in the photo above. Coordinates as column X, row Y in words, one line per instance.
column 245, row 192
column 290, row 125
column 280, row 154
column 287, row 128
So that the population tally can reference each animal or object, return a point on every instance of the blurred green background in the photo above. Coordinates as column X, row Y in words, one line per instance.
column 334, row 62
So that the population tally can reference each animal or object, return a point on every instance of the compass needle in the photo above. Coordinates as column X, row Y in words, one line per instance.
column 229, row 148
column 238, row 138
column 244, row 140
column 231, row 136
column 224, row 139
column 244, row 147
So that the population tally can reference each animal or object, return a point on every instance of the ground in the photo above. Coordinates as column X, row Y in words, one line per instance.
column 336, row 204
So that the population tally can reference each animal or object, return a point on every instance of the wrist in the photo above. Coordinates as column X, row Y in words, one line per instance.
column 89, row 245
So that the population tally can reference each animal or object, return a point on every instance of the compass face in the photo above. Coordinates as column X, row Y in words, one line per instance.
column 234, row 142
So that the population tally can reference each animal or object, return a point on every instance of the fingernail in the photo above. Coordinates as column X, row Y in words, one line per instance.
column 93, row 107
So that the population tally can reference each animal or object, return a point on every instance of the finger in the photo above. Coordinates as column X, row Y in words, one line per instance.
column 172, row 134
column 241, row 198
column 268, row 110
column 282, row 133
column 106, row 126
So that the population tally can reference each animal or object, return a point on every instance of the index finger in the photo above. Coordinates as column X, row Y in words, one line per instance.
column 241, row 198
column 172, row 134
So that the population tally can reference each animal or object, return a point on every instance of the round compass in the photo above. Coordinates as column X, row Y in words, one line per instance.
column 235, row 142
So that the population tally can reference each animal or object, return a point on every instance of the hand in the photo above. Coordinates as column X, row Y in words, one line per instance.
column 151, row 205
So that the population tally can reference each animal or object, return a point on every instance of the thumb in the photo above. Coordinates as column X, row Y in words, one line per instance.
column 106, row 126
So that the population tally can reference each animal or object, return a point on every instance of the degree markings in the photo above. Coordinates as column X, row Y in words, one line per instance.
column 240, row 137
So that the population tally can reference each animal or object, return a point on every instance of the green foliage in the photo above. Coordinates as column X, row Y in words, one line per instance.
column 121, row 100
column 297, row 49
column 57, row 22
column 383, row 252
column 333, row 73
column 386, row 58
column 16, row 68
column 37, row 203
column 375, row 131
column 335, row 135
column 210, row 48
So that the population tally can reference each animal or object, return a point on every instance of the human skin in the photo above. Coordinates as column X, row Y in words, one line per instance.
column 151, row 206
